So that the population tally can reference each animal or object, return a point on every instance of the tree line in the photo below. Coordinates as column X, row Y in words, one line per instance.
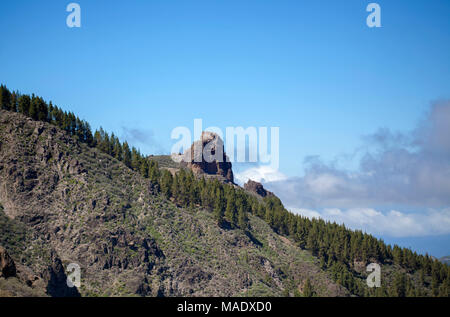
column 338, row 248
column 229, row 204
column 37, row 109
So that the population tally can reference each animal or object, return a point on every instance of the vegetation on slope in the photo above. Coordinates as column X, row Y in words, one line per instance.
column 341, row 251
column 84, row 206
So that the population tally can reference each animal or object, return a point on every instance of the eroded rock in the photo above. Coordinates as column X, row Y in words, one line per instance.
column 257, row 188
column 7, row 266
column 207, row 156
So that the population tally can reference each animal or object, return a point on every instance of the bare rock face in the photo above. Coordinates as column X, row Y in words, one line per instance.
column 7, row 266
column 207, row 156
column 257, row 188
column 57, row 279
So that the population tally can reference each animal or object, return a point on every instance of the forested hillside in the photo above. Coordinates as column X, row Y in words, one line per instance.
column 336, row 252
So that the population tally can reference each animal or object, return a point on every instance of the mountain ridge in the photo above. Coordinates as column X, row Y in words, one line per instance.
column 138, row 229
column 50, row 191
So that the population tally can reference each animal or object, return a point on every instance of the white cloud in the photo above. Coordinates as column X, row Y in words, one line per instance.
column 393, row 223
column 410, row 171
column 260, row 174
column 307, row 213
column 323, row 183
column 398, row 169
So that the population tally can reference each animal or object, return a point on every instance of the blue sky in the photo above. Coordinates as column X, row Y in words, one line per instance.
column 312, row 68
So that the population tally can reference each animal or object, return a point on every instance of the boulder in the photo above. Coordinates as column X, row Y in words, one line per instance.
column 207, row 156
column 7, row 266
column 257, row 188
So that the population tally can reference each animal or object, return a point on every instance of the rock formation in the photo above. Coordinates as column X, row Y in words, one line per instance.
column 207, row 156
column 257, row 188
column 7, row 266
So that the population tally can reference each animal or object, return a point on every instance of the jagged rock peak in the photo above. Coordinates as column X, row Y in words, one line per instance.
column 207, row 156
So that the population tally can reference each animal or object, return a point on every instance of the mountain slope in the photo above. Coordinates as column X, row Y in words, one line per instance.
column 77, row 204
column 70, row 193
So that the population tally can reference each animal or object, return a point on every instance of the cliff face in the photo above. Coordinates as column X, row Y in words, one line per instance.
column 64, row 202
column 207, row 157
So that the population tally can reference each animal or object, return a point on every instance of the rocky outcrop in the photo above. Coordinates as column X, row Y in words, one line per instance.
column 18, row 280
column 57, row 279
column 7, row 266
column 257, row 188
column 207, row 156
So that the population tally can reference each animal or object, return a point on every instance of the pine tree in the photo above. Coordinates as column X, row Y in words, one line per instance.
column 399, row 287
column 5, row 98
column 126, row 154
column 13, row 102
column 242, row 218
column 144, row 168
column 135, row 158
column 175, row 187
column 422, row 277
column 230, row 212
column 308, row 289
column 24, row 104
column 219, row 208
column 34, row 110
column 153, row 173
column 435, row 277
column 42, row 110
column 88, row 137
column 444, row 289
column 166, row 183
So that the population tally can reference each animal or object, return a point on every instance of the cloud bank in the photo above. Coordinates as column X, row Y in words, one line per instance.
column 408, row 170
column 143, row 138
column 398, row 172
column 392, row 223
column 262, row 174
